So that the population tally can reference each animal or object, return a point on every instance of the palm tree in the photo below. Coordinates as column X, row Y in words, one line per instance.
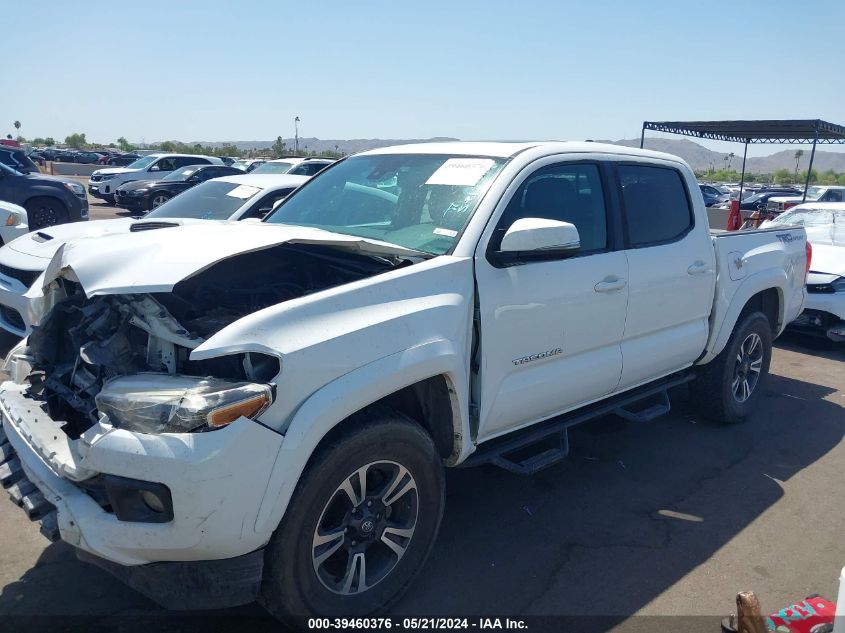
column 17, row 127
column 798, row 154
column 730, row 159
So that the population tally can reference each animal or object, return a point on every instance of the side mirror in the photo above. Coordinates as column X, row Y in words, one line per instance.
column 538, row 239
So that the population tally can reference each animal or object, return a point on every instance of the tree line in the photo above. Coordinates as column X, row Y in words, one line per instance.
column 279, row 148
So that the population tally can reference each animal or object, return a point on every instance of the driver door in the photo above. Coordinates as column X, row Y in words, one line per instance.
column 551, row 331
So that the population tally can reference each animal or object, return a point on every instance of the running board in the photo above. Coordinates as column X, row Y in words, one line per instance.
column 530, row 450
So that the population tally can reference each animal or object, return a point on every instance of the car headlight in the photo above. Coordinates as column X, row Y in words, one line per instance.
column 105, row 176
column 75, row 188
column 838, row 284
column 157, row 403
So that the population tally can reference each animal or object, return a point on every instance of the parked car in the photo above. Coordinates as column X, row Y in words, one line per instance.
column 758, row 200
column 712, row 195
column 88, row 158
column 248, row 164
column 228, row 160
column 294, row 166
column 12, row 222
column 280, row 398
column 37, row 158
column 122, row 160
column 831, row 193
column 16, row 158
column 240, row 197
column 146, row 195
column 824, row 307
column 104, row 182
column 48, row 200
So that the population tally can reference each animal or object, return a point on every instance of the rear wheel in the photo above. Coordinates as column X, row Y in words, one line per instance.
column 728, row 387
column 45, row 211
column 158, row 199
column 361, row 522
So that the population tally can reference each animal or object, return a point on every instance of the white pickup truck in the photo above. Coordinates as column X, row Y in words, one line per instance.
column 224, row 412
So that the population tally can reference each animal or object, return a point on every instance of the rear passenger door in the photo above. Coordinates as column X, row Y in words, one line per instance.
column 671, row 273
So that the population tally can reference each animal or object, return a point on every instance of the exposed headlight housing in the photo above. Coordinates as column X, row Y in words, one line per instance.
column 157, row 403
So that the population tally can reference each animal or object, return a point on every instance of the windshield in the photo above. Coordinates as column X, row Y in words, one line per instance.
column 210, row 200
column 419, row 201
column 273, row 168
column 810, row 217
column 183, row 173
column 814, row 192
column 146, row 161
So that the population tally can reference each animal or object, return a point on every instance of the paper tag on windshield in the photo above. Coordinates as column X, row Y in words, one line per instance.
column 462, row 172
column 243, row 192
column 445, row 232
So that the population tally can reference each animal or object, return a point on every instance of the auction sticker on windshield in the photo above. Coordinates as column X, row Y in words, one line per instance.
column 461, row 172
column 244, row 192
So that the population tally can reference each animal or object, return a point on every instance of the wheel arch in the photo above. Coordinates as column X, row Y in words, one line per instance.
column 763, row 293
column 427, row 384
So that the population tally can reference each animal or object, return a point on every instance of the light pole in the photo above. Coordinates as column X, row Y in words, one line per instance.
column 296, row 135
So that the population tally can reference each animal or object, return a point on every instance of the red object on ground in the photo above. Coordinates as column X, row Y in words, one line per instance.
column 734, row 217
column 802, row 617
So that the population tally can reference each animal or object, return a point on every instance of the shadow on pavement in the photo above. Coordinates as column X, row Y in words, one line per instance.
column 634, row 509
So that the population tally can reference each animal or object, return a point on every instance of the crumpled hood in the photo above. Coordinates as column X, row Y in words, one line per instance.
column 43, row 244
column 155, row 261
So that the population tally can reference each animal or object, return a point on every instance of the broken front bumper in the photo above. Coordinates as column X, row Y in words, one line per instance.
column 217, row 482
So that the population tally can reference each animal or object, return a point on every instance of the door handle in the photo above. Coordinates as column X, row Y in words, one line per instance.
column 610, row 285
column 698, row 268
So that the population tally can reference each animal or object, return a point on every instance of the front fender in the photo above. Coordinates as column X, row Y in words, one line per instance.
column 350, row 393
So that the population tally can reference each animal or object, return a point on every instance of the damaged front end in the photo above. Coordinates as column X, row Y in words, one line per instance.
column 128, row 356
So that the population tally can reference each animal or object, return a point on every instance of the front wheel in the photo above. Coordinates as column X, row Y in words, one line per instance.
column 728, row 387
column 158, row 199
column 44, row 211
column 361, row 522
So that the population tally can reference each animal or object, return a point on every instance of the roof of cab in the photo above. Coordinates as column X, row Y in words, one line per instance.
column 510, row 149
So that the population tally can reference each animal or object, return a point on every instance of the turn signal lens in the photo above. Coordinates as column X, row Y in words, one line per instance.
column 809, row 251
column 249, row 408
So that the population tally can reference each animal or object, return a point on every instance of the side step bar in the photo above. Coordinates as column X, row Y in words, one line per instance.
column 529, row 450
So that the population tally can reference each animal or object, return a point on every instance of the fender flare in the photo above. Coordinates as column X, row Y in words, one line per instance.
column 770, row 279
column 339, row 399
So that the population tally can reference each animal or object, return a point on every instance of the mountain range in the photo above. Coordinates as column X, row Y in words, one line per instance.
column 698, row 156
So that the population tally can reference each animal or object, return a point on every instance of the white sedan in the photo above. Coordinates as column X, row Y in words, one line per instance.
column 824, row 308
column 23, row 260
column 12, row 222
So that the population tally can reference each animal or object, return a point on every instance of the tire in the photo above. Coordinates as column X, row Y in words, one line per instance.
column 108, row 199
column 157, row 199
column 44, row 211
column 719, row 391
column 301, row 578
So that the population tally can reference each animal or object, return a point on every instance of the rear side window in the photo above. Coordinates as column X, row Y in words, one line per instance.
column 657, row 207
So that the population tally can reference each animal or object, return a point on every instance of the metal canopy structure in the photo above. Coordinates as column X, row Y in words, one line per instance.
column 773, row 131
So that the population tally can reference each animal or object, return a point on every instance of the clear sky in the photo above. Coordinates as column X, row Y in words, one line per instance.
column 241, row 70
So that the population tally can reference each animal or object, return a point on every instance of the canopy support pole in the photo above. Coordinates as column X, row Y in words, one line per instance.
column 742, row 178
column 810, row 168
column 642, row 136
